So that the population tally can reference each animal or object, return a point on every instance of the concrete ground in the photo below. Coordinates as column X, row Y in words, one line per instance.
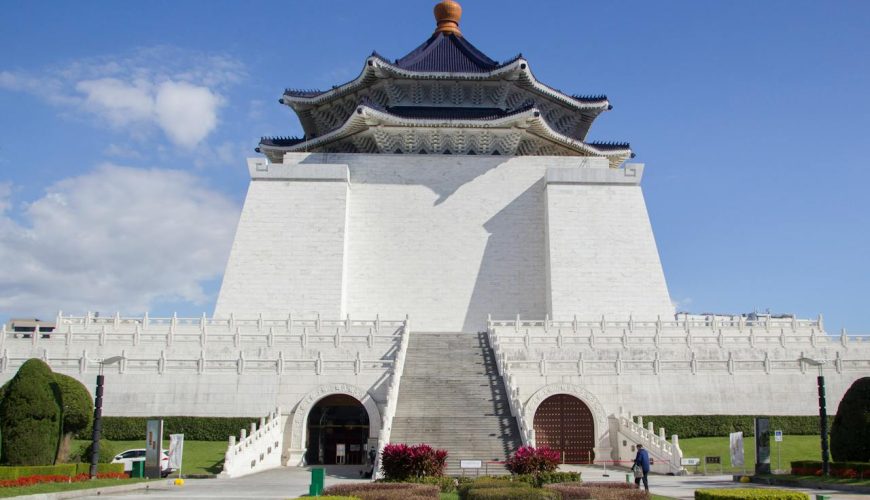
column 292, row 482
column 683, row 487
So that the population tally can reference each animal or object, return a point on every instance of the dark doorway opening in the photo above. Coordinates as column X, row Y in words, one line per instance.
column 337, row 423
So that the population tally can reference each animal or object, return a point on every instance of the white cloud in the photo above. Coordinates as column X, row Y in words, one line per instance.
column 176, row 91
column 187, row 113
column 116, row 238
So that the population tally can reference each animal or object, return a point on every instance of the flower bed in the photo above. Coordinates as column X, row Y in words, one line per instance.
column 385, row 491
column 846, row 470
column 598, row 491
column 57, row 478
column 749, row 494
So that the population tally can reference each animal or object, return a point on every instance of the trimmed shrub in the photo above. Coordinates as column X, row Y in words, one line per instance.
column 691, row 426
column 444, row 483
column 538, row 480
column 193, row 428
column 108, row 451
column 749, row 494
column 598, row 490
column 488, row 483
column 512, row 493
column 400, row 461
column 68, row 470
column 385, row 491
column 850, row 432
column 30, row 417
column 327, row 498
column 847, row 470
column 529, row 460
column 84, row 468
column 77, row 411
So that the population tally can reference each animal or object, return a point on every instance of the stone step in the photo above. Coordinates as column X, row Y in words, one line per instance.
column 451, row 397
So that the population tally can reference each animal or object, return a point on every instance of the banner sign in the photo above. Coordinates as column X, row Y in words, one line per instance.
column 176, row 451
column 736, row 449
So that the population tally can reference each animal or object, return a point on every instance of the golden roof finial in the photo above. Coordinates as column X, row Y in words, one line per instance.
column 447, row 14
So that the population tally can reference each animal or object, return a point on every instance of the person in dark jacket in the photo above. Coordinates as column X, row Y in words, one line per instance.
column 641, row 460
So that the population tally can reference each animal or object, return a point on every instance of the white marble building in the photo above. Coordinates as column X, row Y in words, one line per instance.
column 445, row 192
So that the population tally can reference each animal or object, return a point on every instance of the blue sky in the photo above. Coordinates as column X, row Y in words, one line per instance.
column 124, row 129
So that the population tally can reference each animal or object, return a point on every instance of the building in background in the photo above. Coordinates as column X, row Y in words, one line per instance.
column 443, row 257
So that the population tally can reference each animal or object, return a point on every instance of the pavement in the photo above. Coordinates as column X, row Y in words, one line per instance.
column 683, row 487
column 291, row 482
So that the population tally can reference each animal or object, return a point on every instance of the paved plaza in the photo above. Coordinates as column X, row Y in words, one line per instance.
column 292, row 482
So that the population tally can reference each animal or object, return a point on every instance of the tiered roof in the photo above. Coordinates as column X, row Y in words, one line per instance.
column 445, row 96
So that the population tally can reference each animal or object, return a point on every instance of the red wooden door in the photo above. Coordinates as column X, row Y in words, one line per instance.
column 564, row 423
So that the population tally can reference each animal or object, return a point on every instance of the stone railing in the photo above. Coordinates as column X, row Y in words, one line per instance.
column 689, row 323
column 667, row 456
column 203, row 331
column 392, row 399
column 174, row 365
column 527, row 433
column 255, row 452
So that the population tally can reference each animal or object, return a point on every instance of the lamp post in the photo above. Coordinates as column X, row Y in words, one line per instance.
column 823, row 412
column 98, row 415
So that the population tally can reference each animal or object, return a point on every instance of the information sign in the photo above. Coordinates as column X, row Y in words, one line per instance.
column 777, row 436
column 470, row 464
column 690, row 461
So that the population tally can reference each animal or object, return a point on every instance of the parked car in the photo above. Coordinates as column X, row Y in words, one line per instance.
column 138, row 455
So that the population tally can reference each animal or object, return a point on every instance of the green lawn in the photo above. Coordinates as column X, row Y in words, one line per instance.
column 56, row 487
column 792, row 448
column 200, row 457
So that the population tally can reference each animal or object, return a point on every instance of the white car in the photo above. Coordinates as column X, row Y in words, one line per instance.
column 138, row 455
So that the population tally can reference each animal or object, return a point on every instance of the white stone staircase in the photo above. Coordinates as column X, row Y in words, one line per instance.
column 255, row 452
column 453, row 398
column 666, row 457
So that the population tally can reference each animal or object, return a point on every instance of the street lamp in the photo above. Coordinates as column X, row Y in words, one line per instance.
column 823, row 412
column 98, row 415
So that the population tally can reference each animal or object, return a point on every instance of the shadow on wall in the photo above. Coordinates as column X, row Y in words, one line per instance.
column 512, row 274
column 444, row 180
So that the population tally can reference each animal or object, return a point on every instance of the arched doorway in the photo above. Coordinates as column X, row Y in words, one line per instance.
column 337, row 422
column 564, row 423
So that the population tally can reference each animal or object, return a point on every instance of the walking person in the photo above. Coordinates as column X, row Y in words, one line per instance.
column 641, row 467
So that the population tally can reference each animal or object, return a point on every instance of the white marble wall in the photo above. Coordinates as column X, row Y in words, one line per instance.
column 602, row 256
column 446, row 239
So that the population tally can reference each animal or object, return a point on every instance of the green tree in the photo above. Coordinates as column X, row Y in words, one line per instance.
column 77, row 411
column 30, row 417
column 850, row 433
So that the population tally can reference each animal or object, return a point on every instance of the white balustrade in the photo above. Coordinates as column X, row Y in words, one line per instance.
column 256, row 451
column 392, row 396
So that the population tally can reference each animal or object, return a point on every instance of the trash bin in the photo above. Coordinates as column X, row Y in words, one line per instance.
column 317, row 477
column 138, row 469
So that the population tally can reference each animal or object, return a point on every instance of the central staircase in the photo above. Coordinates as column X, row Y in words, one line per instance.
column 452, row 397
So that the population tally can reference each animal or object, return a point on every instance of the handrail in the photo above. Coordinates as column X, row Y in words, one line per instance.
column 392, row 397
column 255, row 452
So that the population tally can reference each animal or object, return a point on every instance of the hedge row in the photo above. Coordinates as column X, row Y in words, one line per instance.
column 749, row 494
column 193, row 428
column 691, row 426
column 69, row 470
column 848, row 470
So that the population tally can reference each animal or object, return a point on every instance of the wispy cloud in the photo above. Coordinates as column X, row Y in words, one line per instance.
column 175, row 91
column 116, row 238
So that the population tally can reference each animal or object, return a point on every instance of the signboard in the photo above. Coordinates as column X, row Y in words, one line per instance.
column 736, row 447
column 762, row 445
column 777, row 436
column 692, row 461
column 470, row 464
column 153, row 448
column 176, row 450
column 712, row 460
column 340, row 452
